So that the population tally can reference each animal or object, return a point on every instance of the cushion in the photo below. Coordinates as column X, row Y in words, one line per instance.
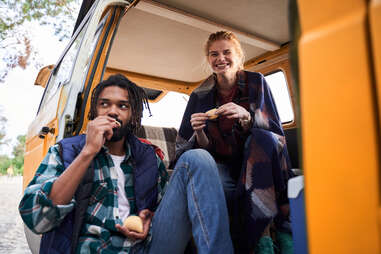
column 163, row 137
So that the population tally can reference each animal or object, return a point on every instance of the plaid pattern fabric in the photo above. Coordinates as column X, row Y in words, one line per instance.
column 98, row 234
column 264, row 167
column 226, row 137
column 165, row 138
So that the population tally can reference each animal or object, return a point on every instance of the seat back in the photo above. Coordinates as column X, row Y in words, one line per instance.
column 163, row 137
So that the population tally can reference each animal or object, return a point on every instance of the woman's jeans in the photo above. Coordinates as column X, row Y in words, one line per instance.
column 193, row 204
column 229, row 186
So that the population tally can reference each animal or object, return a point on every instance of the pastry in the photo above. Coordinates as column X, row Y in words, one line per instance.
column 212, row 114
column 134, row 223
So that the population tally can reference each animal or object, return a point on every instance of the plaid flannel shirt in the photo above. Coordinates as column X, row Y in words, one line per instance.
column 98, row 233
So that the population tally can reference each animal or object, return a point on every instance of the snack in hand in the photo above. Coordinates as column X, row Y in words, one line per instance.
column 118, row 123
column 134, row 223
column 212, row 114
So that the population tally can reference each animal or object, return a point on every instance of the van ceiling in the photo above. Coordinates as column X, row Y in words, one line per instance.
column 165, row 38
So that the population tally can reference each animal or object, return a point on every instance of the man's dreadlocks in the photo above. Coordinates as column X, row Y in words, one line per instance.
column 136, row 97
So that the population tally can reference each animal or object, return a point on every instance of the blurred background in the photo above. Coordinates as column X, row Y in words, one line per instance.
column 33, row 34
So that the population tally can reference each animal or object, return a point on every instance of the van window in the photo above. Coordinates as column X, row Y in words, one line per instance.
column 278, row 86
column 95, row 40
column 168, row 112
column 63, row 74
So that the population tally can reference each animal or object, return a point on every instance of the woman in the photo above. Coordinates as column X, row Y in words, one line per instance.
column 246, row 141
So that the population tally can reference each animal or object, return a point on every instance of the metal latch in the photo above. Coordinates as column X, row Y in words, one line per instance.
column 44, row 131
column 69, row 127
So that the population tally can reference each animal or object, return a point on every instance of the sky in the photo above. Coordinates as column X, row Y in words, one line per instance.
column 19, row 98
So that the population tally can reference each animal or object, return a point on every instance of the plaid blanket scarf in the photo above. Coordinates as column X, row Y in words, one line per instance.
column 265, row 169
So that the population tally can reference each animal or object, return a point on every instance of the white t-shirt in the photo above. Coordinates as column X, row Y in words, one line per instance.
column 124, row 205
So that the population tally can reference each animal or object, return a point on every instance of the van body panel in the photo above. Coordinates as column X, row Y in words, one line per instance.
column 339, row 128
column 375, row 37
column 35, row 150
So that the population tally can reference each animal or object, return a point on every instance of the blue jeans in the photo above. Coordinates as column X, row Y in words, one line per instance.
column 229, row 185
column 193, row 204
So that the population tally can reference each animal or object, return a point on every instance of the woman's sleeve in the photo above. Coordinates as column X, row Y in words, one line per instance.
column 185, row 139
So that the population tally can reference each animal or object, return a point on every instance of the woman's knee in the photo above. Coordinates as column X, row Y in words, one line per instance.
column 197, row 154
column 197, row 159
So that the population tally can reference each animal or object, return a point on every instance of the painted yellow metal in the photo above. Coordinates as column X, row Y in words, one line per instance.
column 375, row 36
column 35, row 150
column 156, row 82
column 43, row 76
column 339, row 131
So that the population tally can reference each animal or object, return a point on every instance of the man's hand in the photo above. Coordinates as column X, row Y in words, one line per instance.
column 98, row 131
column 146, row 216
column 67, row 183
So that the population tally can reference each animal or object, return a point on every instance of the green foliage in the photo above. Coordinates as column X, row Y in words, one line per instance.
column 5, row 163
column 3, row 123
column 17, row 162
column 27, row 10
column 18, row 36
column 19, row 148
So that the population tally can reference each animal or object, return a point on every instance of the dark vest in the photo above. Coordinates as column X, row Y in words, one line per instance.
column 64, row 238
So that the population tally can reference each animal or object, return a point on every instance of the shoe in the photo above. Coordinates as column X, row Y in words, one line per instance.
column 265, row 246
column 285, row 243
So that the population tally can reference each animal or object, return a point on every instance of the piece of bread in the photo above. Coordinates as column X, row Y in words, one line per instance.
column 212, row 114
column 134, row 223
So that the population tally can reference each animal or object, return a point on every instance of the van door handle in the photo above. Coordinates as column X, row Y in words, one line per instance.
column 44, row 131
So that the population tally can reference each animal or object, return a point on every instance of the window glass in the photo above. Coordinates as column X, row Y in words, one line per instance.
column 63, row 74
column 278, row 86
column 95, row 40
column 168, row 112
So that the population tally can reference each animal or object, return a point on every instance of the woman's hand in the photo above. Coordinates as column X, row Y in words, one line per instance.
column 146, row 216
column 198, row 123
column 233, row 111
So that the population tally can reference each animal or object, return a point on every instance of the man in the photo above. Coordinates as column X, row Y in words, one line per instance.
column 126, row 178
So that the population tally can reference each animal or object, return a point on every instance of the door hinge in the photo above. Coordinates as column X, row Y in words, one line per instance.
column 69, row 127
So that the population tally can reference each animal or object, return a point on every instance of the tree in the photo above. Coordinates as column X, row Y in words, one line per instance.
column 19, row 148
column 27, row 10
column 16, row 42
column 18, row 153
column 3, row 123
column 5, row 163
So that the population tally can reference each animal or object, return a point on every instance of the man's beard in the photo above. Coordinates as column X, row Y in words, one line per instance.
column 119, row 133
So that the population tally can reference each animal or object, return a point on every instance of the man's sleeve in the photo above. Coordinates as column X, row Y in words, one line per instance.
column 163, row 178
column 36, row 209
